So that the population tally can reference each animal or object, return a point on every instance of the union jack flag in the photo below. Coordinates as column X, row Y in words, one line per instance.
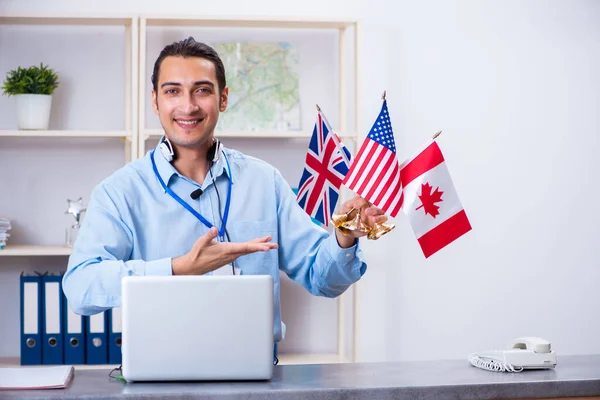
column 327, row 162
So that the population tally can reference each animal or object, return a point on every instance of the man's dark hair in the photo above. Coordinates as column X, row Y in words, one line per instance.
column 190, row 48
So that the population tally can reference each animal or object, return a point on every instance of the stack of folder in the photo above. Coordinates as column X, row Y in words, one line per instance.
column 4, row 231
column 51, row 333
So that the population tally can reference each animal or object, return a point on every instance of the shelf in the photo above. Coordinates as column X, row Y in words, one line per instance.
column 155, row 133
column 289, row 359
column 148, row 133
column 33, row 250
column 247, row 22
column 86, row 20
column 14, row 362
column 284, row 359
column 65, row 133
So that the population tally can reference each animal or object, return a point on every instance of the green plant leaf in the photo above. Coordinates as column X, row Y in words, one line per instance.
column 31, row 80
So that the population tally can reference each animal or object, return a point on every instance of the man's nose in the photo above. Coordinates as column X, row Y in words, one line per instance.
column 188, row 104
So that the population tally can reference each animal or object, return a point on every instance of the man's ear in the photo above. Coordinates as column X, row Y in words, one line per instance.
column 154, row 102
column 224, row 96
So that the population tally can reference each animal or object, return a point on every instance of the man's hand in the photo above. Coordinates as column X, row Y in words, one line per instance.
column 208, row 255
column 370, row 215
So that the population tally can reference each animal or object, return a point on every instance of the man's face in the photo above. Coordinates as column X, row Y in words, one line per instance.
column 187, row 100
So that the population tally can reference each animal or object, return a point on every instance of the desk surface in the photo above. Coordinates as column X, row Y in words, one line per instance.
column 450, row 379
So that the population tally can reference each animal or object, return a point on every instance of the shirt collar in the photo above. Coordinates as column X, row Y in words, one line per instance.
column 167, row 171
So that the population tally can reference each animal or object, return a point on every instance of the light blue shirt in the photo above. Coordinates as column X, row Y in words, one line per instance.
column 133, row 227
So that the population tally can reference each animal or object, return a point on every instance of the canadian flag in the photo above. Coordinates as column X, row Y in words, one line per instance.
column 431, row 202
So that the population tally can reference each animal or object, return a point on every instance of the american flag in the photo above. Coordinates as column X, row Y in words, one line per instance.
column 375, row 172
column 327, row 162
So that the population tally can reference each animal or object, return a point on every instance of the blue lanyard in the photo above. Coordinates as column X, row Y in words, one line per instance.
column 190, row 209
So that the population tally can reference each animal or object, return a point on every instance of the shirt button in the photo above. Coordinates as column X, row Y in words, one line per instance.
column 348, row 255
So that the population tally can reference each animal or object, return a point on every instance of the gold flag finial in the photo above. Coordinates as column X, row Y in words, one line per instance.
column 318, row 108
column 383, row 95
column 437, row 134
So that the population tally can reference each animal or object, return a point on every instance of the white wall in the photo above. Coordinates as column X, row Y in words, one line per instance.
column 513, row 85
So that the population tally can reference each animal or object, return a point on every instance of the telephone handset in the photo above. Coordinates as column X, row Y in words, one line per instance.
column 522, row 353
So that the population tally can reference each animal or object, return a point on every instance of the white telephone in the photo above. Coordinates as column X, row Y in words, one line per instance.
column 522, row 353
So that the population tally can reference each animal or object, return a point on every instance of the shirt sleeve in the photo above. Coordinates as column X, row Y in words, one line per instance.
column 309, row 254
column 101, row 258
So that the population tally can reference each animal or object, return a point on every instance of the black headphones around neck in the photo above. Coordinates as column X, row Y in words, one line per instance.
column 213, row 154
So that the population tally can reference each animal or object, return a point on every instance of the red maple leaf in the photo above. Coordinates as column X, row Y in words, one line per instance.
column 429, row 198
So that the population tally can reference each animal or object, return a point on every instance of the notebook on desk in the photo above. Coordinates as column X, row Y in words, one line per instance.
column 191, row 328
column 47, row 377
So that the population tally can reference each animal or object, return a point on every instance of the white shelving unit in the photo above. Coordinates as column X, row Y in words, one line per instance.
column 86, row 131
column 136, row 133
column 347, row 32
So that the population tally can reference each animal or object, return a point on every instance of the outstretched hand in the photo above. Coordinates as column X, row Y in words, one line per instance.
column 207, row 254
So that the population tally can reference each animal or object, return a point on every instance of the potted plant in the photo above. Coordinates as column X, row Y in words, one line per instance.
column 33, row 88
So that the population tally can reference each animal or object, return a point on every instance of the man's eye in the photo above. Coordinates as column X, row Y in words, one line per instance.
column 170, row 91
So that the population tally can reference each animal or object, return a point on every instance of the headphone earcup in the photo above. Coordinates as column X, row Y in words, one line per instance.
column 214, row 153
column 167, row 151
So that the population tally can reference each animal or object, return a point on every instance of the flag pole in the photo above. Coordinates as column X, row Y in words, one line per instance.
column 334, row 136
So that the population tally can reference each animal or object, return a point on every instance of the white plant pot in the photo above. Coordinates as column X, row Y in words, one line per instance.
column 33, row 110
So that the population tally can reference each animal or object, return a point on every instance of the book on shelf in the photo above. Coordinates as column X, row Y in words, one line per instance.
column 5, row 228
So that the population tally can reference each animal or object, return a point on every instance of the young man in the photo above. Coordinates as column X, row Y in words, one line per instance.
column 191, row 206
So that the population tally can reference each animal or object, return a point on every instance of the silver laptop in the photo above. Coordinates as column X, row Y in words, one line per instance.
column 197, row 328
